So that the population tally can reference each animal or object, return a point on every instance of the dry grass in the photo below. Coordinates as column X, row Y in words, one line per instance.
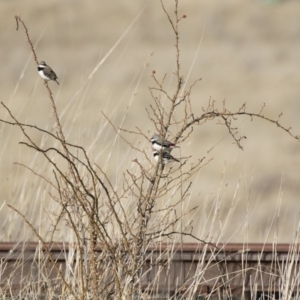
column 57, row 187
column 247, row 53
column 97, row 183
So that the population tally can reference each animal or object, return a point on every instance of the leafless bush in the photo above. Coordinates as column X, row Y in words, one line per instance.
column 146, row 209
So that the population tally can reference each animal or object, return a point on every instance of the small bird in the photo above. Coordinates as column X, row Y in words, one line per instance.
column 160, row 144
column 166, row 157
column 46, row 72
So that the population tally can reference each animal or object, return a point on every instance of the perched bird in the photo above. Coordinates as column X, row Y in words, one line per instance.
column 46, row 72
column 160, row 144
column 166, row 157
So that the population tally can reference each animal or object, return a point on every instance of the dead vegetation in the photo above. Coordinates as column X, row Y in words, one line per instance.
column 148, row 205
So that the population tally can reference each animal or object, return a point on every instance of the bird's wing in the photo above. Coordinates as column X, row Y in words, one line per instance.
column 169, row 156
column 50, row 73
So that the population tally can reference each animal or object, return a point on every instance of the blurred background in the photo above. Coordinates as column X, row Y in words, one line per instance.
column 244, row 51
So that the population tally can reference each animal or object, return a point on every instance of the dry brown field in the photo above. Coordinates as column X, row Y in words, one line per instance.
column 244, row 51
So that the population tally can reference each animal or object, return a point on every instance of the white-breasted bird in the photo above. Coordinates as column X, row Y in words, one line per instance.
column 46, row 72
column 160, row 144
column 166, row 157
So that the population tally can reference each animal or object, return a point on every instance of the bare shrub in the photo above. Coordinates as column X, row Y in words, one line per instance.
column 146, row 208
